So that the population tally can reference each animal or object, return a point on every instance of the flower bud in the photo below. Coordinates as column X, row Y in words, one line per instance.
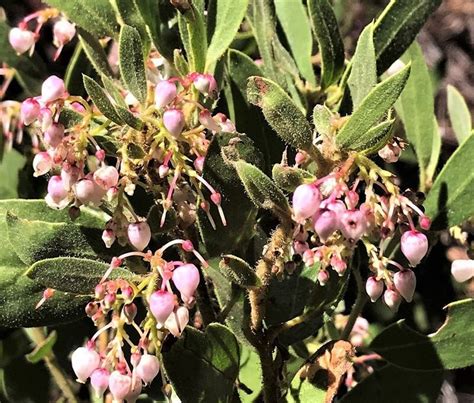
column 323, row 277
column 306, row 199
column 56, row 189
column 84, row 361
column 300, row 247
column 148, row 368
column 21, row 40
column 165, row 92
column 163, row 170
column 119, row 385
column 326, row 224
column 225, row 123
column 161, row 305
column 91, row 309
column 106, row 177
column 63, row 32
column 54, row 135
column 462, row 270
column 414, row 246
column 208, row 122
column 199, row 164
column 42, row 163
column 108, row 236
column 173, row 120
column 52, row 89
column 374, row 288
column 390, row 153
column 425, row 223
column 405, row 283
column 88, row 192
column 392, row 299
column 177, row 321
column 30, row 111
column 130, row 312
column 206, row 84
column 353, row 225
column 186, row 279
column 100, row 381
column 135, row 390
column 139, row 235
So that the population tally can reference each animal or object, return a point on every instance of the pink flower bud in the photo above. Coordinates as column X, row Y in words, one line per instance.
column 374, row 288
column 56, row 189
column 161, row 305
column 300, row 247
column 45, row 118
column 199, row 164
column 139, row 235
column 390, row 153
column 100, row 381
column 206, row 84
column 42, row 163
column 106, row 177
column 21, row 40
column 63, row 32
column 130, row 312
column 84, row 361
column 54, row 135
column 186, row 279
column 414, row 246
column 462, row 270
column 405, row 283
column 173, row 120
column 306, row 199
column 216, row 198
column 425, row 223
column 52, row 89
column 353, row 225
column 326, row 224
column 135, row 390
column 208, row 122
column 89, row 192
column 148, row 368
column 119, row 385
column 163, row 170
column 225, row 123
column 392, row 299
column 70, row 175
column 177, row 321
column 108, row 236
column 30, row 111
column 165, row 92
column 323, row 277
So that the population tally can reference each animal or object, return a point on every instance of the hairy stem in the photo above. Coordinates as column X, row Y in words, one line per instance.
column 271, row 387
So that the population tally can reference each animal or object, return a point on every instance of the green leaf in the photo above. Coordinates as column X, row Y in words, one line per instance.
column 95, row 52
column 239, row 271
column 241, row 67
column 397, row 27
column 375, row 139
column 459, row 114
column 10, row 166
column 180, row 63
column 295, row 23
column 449, row 348
column 131, row 63
column 262, row 191
column 71, row 274
column 43, row 350
column 394, row 385
column 250, row 374
column 194, row 36
column 322, row 118
column 101, row 100
column 289, row 178
column 329, row 39
column 230, row 14
column 374, row 106
column 301, row 391
column 95, row 16
column 78, row 65
column 203, row 367
column 450, row 200
column 363, row 76
column 280, row 111
column 416, row 109
column 239, row 210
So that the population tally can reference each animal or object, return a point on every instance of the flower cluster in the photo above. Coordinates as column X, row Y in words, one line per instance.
column 360, row 202
column 167, row 292
column 23, row 40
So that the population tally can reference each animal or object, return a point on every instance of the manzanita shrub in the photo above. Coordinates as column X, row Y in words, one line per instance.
column 212, row 203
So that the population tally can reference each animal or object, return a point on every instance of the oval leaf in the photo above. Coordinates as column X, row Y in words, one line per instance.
column 239, row 271
column 459, row 114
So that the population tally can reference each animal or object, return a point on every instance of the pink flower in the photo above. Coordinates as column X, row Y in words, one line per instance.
column 177, row 321
column 186, row 279
column 173, row 120
column 165, row 92
column 42, row 163
column 54, row 135
column 414, row 246
column 148, row 368
column 139, row 235
column 106, row 177
column 161, row 305
column 21, row 40
column 374, row 288
column 326, row 224
column 353, row 225
column 58, row 196
column 405, row 283
column 206, row 84
column 119, row 385
column 30, row 111
column 63, row 32
column 100, row 381
column 306, row 199
column 89, row 192
column 84, row 361
column 392, row 299
column 52, row 89
column 462, row 270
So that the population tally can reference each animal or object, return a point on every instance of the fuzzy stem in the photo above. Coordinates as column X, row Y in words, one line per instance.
column 37, row 336
column 271, row 387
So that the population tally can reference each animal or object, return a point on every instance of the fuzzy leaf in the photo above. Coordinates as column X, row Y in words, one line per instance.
column 374, row 106
column 203, row 366
column 261, row 189
column 450, row 200
column 375, row 139
column 289, row 178
column 295, row 23
column 95, row 52
column 280, row 111
column 131, row 63
column 10, row 166
column 459, row 114
column 180, row 62
column 363, row 76
column 43, row 350
column 449, row 348
column 327, row 33
column 230, row 14
column 193, row 34
column 397, row 27
column 416, row 108
column 101, row 100
column 239, row 271
column 322, row 117
column 95, row 16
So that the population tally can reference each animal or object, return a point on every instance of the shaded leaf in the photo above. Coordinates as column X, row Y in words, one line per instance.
column 43, row 350
column 325, row 27
column 128, row 13
column 289, row 178
column 95, row 52
column 10, row 166
column 459, row 114
column 238, row 271
column 322, row 118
